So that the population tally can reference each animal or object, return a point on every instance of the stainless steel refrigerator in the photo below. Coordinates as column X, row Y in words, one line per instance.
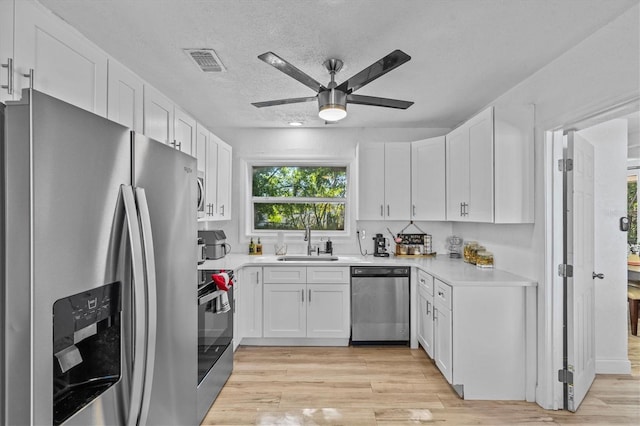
column 99, row 264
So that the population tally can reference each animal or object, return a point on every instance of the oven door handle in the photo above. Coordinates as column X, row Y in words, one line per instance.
column 209, row 297
column 152, row 304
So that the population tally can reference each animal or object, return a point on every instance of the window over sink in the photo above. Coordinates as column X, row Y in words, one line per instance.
column 290, row 197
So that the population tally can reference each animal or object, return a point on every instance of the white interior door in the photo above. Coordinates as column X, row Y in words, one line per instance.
column 580, row 302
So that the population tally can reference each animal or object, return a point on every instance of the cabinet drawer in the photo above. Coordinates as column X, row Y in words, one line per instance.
column 328, row 274
column 442, row 294
column 285, row 274
column 425, row 281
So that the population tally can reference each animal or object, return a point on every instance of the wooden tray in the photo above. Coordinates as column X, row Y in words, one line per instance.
column 416, row 255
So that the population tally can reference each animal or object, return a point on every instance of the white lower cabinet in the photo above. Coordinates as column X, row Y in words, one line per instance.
column 443, row 328
column 478, row 339
column 250, row 288
column 425, row 312
column 308, row 302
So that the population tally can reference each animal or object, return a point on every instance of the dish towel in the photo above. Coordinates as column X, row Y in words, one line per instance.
column 223, row 283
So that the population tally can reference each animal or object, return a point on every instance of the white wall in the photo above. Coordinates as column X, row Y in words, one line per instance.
column 325, row 143
column 610, row 177
column 600, row 72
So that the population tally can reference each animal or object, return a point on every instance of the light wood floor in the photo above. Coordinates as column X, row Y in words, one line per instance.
column 390, row 386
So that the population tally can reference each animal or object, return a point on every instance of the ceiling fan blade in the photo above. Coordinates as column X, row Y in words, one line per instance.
column 293, row 72
column 375, row 101
column 284, row 101
column 391, row 61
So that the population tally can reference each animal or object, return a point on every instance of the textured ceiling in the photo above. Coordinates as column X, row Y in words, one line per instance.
column 465, row 53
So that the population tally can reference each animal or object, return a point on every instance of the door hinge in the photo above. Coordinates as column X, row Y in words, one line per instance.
column 565, row 376
column 565, row 165
column 565, row 271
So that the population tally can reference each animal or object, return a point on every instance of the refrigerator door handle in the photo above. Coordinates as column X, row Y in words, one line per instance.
column 139, row 312
column 152, row 305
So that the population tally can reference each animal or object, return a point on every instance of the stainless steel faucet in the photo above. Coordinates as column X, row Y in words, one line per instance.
column 307, row 238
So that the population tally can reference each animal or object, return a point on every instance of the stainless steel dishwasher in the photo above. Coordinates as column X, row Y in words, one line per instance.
column 379, row 304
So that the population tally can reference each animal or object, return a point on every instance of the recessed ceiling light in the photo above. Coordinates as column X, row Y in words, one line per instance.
column 295, row 123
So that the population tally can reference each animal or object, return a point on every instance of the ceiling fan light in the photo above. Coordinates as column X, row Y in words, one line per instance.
column 332, row 112
column 332, row 105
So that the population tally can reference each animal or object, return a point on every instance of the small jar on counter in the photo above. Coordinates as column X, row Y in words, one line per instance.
column 468, row 247
column 484, row 259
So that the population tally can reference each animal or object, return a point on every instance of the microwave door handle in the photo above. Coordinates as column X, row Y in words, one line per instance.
column 139, row 308
column 201, row 193
column 152, row 305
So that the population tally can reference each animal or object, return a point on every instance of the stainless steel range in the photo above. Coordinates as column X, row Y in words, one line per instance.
column 215, row 338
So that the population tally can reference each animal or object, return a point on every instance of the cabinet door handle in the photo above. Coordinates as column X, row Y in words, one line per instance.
column 9, row 67
column 222, row 210
column 414, row 209
column 435, row 311
column 31, row 77
column 381, row 210
column 302, row 293
column 257, row 277
column 309, row 296
column 461, row 214
column 388, row 211
column 428, row 312
column 440, row 294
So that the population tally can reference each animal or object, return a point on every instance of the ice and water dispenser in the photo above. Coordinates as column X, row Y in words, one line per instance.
column 86, row 348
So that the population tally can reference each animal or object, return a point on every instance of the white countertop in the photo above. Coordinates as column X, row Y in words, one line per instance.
column 452, row 271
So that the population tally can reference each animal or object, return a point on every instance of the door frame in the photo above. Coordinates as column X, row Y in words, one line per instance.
column 550, row 392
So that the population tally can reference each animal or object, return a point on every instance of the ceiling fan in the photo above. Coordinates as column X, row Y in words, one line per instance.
column 333, row 99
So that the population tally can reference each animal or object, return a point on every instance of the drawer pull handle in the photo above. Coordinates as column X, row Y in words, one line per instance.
column 440, row 294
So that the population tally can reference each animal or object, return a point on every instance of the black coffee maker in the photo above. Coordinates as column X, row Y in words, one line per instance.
column 380, row 246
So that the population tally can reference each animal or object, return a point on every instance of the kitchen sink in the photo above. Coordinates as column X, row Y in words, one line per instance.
column 307, row 258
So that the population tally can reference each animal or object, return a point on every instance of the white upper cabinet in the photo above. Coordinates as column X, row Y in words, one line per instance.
column 184, row 137
column 214, row 159
column 158, row 115
column 65, row 64
column 224, row 181
column 125, row 97
column 6, row 51
column 470, row 170
column 384, row 181
column 202, row 140
column 489, row 165
column 428, row 179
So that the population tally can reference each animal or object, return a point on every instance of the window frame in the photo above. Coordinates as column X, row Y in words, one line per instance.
column 249, row 198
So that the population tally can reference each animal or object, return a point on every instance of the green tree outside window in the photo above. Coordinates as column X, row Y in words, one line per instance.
column 293, row 197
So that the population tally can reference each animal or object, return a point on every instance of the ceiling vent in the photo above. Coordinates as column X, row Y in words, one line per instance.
column 206, row 59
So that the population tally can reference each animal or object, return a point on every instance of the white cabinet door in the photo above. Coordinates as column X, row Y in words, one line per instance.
column 428, row 179
column 480, row 207
column 251, row 309
column 125, row 97
column 211, row 178
column 158, row 115
column 443, row 342
column 202, row 140
column 421, row 317
column 66, row 65
column 397, row 181
column 6, row 51
column 224, row 181
column 184, row 129
column 457, row 168
column 285, row 313
column 371, row 181
column 328, row 310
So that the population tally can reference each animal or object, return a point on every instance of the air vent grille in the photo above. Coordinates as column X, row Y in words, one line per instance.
column 206, row 59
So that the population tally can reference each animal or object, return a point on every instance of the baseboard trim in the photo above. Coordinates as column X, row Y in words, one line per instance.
column 613, row 366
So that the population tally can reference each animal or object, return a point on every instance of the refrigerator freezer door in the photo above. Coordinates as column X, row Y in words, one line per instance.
column 64, row 224
column 169, row 180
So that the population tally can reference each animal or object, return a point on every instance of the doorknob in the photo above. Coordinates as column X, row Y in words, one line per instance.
column 594, row 276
